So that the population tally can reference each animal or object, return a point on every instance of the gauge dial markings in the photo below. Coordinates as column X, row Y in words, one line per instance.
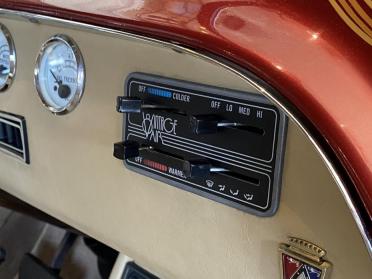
column 59, row 75
column 7, row 58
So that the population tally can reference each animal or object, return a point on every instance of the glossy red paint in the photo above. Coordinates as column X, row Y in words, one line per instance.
column 302, row 48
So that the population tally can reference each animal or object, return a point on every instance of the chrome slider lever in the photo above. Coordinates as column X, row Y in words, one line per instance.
column 191, row 168
column 128, row 149
column 135, row 105
column 200, row 168
column 229, row 124
column 209, row 124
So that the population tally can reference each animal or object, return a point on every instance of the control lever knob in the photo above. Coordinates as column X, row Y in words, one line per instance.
column 196, row 168
column 199, row 168
column 209, row 124
column 126, row 149
column 128, row 104
column 135, row 105
column 204, row 124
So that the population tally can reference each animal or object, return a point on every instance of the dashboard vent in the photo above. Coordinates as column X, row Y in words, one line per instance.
column 13, row 136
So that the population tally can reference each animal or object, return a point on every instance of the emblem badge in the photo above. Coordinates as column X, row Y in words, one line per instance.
column 303, row 260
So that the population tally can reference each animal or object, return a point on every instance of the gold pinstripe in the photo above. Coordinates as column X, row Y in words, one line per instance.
column 362, row 13
column 369, row 3
column 353, row 18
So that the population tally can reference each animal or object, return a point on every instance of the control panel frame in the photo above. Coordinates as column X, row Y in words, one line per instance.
column 223, row 92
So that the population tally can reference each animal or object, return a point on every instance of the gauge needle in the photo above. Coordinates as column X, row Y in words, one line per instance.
column 64, row 90
column 3, row 70
column 57, row 80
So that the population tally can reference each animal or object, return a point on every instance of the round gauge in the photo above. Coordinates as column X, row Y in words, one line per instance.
column 7, row 58
column 60, row 74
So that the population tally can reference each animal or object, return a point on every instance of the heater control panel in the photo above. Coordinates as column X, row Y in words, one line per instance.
column 222, row 144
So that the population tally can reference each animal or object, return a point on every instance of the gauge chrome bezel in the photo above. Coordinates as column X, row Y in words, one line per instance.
column 12, row 58
column 61, row 38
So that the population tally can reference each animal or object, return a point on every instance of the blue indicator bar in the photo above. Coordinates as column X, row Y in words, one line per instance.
column 159, row 92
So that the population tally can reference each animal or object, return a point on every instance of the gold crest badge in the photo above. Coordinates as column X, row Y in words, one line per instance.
column 303, row 260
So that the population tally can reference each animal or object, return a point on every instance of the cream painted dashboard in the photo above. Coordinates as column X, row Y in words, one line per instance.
column 173, row 233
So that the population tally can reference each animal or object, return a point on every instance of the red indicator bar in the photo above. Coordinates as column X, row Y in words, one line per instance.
column 155, row 165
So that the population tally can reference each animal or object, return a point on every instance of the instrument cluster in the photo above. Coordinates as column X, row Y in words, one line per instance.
column 59, row 74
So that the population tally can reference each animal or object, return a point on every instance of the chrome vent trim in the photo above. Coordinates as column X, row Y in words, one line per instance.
column 13, row 136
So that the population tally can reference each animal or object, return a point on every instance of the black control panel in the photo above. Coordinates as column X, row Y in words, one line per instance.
column 221, row 144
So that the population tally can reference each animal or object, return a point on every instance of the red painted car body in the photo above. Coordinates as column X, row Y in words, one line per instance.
column 304, row 49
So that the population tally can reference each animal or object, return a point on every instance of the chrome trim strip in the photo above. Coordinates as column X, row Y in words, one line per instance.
column 243, row 74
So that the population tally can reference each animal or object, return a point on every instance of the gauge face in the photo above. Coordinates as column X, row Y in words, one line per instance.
column 60, row 74
column 7, row 58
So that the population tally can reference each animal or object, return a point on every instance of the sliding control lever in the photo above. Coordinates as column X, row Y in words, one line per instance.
column 136, row 105
column 200, row 168
column 209, row 124
column 191, row 168
column 126, row 149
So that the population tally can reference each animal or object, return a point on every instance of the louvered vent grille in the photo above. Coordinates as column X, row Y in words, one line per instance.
column 13, row 136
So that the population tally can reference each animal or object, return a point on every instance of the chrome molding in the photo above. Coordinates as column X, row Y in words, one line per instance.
column 264, row 89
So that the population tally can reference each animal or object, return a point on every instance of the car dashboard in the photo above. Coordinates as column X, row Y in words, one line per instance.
column 167, row 155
